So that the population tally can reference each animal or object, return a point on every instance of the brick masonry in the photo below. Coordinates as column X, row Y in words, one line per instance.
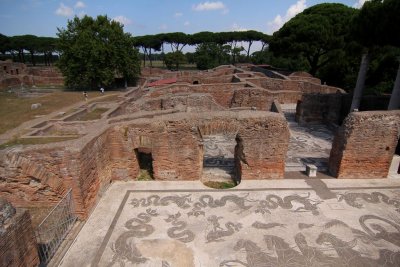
column 14, row 74
column 364, row 145
column 170, row 121
column 17, row 241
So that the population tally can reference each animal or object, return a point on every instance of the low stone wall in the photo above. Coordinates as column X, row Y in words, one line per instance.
column 17, row 239
column 182, row 102
column 262, row 99
column 222, row 93
column 206, row 80
column 364, row 145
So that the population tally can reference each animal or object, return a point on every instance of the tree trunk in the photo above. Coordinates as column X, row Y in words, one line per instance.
column 19, row 56
column 248, row 50
column 32, row 58
column 313, row 61
column 23, row 56
column 144, row 57
column 163, row 54
column 395, row 97
column 151, row 63
column 263, row 46
column 45, row 58
column 50, row 58
column 362, row 75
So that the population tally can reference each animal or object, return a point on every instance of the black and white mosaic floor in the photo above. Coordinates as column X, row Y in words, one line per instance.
column 261, row 223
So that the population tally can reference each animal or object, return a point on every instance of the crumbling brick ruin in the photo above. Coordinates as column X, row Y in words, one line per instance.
column 165, row 120
column 17, row 240
column 364, row 146
column 14, row 74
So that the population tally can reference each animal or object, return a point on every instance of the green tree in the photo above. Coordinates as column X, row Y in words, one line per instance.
column 18, row 44
column 210, row 55
column 94, row 52
column 250, row 37
column 148, row 43
column 317, row 34
column 177, row 40
column 47, row 46
column 378, row 25
column 5, row 44
column 174, row 59
column 30, row 43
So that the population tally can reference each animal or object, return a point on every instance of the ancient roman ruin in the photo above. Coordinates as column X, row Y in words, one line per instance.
column 241, row 123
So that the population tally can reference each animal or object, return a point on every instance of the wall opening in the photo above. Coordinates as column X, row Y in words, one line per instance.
column 219, row 165
column 17, row 71
column 196, row 82
column 145, row 160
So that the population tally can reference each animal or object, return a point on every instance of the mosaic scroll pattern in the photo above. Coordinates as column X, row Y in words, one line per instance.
column 261, row 228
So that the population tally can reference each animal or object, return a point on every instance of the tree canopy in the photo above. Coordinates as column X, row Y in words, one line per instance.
column 317, row 34
column 94, row 51
column 378, row 23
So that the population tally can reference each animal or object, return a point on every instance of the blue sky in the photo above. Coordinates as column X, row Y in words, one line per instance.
column 141, row 17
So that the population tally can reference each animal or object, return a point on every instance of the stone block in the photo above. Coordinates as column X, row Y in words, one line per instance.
column 311, row 170
column 394, row 166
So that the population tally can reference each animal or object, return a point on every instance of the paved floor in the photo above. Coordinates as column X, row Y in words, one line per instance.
column 308, row 144
column 259, row 223
column 219, row 161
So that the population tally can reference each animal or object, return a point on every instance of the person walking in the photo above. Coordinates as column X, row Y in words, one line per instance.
column 85, row 95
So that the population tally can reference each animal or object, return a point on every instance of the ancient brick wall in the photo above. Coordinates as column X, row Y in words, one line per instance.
column 92, row 161
column 17, row 241
column 206, row 79
column 222, row 93
column 175, row 150
column 123, row 162
column 176, row 145
column 304, row 76
column 13, row 74
column 262, row 99
column 182, row 102
column 364, row 145
column 322, row 89
column 305, row 79
column 264, row 147
column 319, row 108
column 293, row 85
column 32, row 178
column 38, row 177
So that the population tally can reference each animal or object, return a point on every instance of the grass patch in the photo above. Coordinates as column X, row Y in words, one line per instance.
column 93, row 115
column 144, row 175
column 36, row 141
column 220, row 185
column 15, row 110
